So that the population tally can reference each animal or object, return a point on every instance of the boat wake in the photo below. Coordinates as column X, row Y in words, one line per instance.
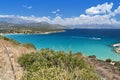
column 95, row 38
column 92, row 38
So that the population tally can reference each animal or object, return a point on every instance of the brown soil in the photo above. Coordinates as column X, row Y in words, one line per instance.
column 9, row 53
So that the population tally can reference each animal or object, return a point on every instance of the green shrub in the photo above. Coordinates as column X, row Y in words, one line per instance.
column 92, row 56
column 117, row 64
column 8, row 39
column 51, row 65
column 108, row 60
column 28, row 45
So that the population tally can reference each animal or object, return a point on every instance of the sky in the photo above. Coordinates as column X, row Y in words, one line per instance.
column 64, row 12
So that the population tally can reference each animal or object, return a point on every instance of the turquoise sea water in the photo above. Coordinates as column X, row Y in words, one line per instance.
column 88, row 41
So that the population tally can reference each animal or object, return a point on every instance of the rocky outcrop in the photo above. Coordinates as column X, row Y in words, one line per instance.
column 106, row 70
column 9, row 53
column 117, row 48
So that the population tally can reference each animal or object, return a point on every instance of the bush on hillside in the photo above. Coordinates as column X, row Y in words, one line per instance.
column 8, row 39
column 117, row 64
column 108, row 60
column 51, row 65
column 28, row 45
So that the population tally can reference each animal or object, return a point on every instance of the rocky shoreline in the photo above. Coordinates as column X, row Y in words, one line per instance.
column 117, row 47
column 47, row 32
column 106, row 69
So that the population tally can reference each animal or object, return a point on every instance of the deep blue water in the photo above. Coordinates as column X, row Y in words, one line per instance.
column 88, row 41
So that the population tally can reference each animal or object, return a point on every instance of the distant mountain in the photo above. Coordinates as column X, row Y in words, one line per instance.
column 18, row 22
column 8, row 24
column 15, row 20
column 44, row 25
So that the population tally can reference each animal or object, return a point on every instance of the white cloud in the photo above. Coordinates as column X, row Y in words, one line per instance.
column 56, row 11
column 117, row 11
column 57, row 20
column 100, row 9
column 92, row 16
column 58, row 14
column 83, row 19
column 27, row 7
column 7, row 16
column 33, row 18
column 80, row 20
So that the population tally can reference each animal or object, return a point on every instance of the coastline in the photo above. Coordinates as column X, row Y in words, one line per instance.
column 117, row 48
column 47, row 32
column 50, row 32
column 62, row 43
column 101, row 67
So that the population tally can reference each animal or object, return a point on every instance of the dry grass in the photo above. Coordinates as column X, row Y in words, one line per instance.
column 14, row 50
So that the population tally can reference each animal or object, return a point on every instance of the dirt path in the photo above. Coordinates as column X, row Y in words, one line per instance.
column 7, row 66
column 9, row 53
column 10, row 60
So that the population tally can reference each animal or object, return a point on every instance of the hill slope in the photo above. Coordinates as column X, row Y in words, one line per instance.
column 9, row 53
column 41, row 27
column 49, row 63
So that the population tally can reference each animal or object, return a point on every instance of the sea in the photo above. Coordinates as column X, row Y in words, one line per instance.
column 96, row 42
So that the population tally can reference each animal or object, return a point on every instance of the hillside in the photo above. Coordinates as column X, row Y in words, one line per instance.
column 9, row 52
column 41, row 27
column 16, row 64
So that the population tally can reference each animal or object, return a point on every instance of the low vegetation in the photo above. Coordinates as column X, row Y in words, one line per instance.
column 51, row 65
column 28, row 45
column 8, row 39
column 117, row 64
column 108, row 60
